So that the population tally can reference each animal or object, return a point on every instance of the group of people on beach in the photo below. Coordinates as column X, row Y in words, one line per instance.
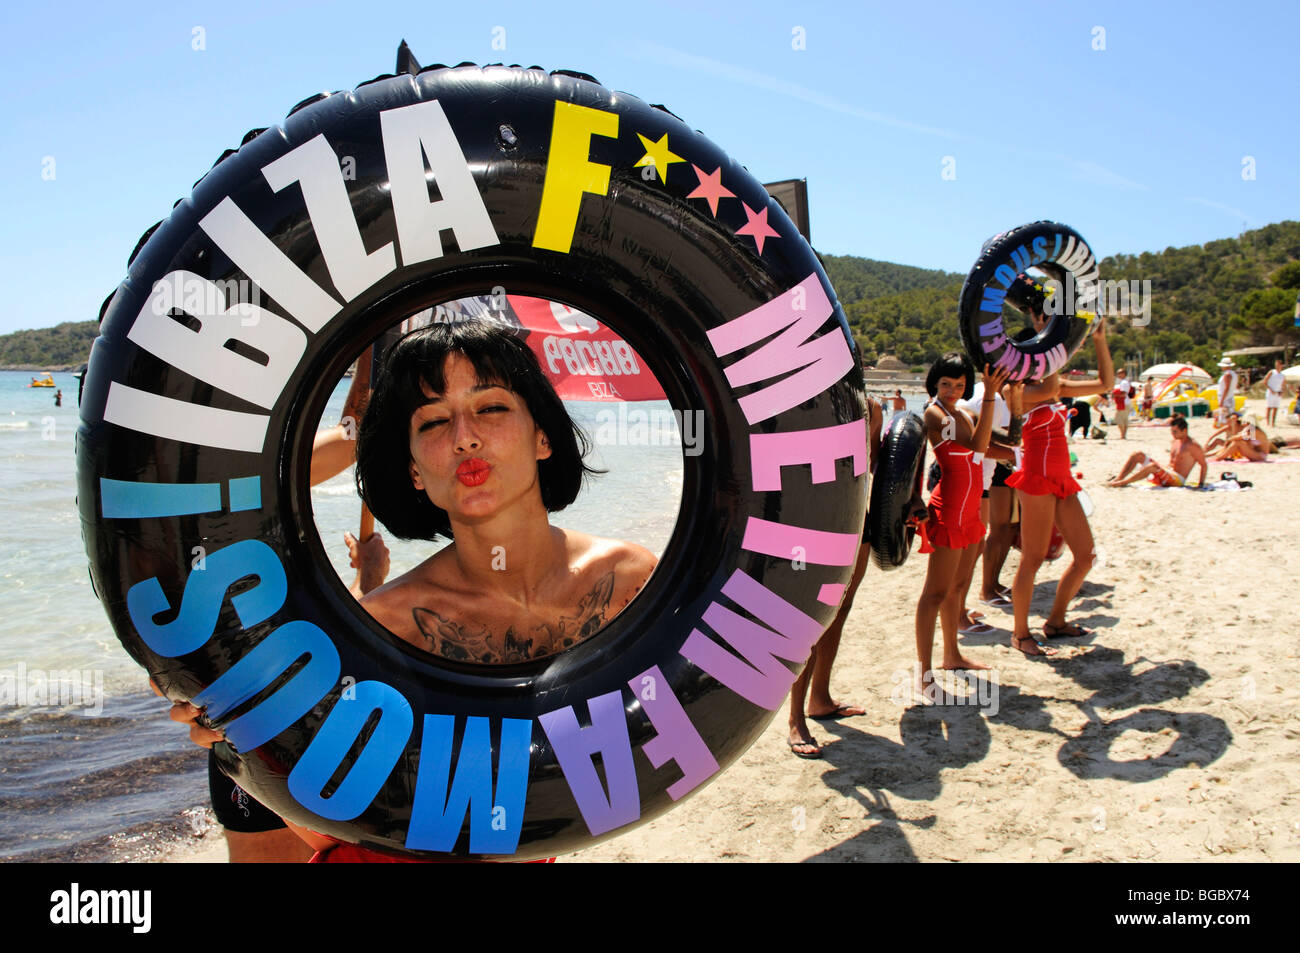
column 1000, row 446
column 1046, row 494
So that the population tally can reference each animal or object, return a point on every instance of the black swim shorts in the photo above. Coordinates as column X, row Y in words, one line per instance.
column 235, row 808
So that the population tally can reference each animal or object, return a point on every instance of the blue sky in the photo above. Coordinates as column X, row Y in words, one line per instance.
column 1139, row 145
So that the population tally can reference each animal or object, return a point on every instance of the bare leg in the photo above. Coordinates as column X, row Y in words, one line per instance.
column 950, row 610
column 1037, row 515
column 998, row 542
column 1142, row 474
column 1078, row 536
column 967, row 618
column 1134, row 460
column 939, row 583
column 817, row 671
column 820, row 701
column 1248, row 450
column 802, row 742
column 267, row 847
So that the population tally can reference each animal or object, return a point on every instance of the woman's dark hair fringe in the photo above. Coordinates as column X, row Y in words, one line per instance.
column 952, row 364
column 383, row 441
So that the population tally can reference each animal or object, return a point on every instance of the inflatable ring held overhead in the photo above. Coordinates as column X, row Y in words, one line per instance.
column 896, row 482
column 1059, row 252
column 199, row 410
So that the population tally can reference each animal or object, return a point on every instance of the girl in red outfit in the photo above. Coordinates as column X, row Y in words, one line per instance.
column 954, row 527
column 1047, row 493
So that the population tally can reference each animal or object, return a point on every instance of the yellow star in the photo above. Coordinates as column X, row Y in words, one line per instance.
column 658, row 155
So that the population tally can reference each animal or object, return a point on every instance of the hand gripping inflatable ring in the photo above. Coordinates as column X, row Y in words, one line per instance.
column 1058, row 251
column 897, row 481
column 194, row 444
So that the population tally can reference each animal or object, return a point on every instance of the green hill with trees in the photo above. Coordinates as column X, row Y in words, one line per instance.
column 1205, row 299
column 65, row 346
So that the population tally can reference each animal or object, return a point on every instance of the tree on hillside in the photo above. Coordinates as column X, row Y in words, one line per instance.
column 1266, row 314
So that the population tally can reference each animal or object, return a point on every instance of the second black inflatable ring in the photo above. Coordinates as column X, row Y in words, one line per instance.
column 1060, row 253
column 198, row 416
column 896, row 482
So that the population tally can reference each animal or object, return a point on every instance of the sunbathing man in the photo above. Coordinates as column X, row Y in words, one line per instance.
column 1183, row 454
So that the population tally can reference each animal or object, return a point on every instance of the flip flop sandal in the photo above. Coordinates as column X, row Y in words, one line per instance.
column 1043, row 648
column 809, row 755
column 1067, row 631
column 841, row 711
column 979, row 628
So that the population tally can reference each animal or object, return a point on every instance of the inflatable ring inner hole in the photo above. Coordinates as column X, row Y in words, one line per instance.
column 1014, row 318
column 637, row 437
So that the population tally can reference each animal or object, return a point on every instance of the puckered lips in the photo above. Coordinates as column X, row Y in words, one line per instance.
column 473, row 471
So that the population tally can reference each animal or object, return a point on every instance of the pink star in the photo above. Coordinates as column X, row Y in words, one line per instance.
column 711, row 188
column 757, row 227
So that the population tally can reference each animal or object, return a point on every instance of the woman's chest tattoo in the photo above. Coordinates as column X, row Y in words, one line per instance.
column 499, row 643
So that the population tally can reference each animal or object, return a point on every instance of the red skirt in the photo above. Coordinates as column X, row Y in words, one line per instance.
column 951, row 534
column 1039, row 484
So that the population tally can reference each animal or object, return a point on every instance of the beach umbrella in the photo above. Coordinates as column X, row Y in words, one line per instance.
column 1292, row 375
column 1183, row 371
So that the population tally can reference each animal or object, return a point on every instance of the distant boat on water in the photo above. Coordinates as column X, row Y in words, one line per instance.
column 45, row 381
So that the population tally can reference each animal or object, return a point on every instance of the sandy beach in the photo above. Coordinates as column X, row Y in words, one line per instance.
column 1171, row 734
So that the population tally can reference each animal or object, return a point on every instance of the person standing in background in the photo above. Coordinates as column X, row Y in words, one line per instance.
column 1123, row 392
column 816, row 674
column 1274, row 389
column 1227, row 389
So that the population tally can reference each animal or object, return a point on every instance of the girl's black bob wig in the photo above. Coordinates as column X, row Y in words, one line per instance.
column 953, row 364
column 383, row 441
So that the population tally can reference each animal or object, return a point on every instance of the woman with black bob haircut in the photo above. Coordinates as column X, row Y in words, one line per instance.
column 465, row 437
column 418, row 359
column 952, row 365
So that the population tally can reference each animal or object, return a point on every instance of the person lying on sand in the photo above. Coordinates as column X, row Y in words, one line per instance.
column 1183, row 454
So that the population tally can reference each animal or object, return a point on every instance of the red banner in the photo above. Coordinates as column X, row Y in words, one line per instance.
column 583, row 359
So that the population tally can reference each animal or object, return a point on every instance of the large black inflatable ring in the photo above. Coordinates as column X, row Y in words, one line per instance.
column 363, row 208
column 1059, row 252
column 896, row 483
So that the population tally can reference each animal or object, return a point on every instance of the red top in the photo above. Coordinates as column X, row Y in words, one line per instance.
column 955, row 503
column 1045, row 461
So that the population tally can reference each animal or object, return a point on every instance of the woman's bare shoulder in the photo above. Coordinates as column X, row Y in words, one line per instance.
column 626, row 566
column 597, row 553
column 390, row 604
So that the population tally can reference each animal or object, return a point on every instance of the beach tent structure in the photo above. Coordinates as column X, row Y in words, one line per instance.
column 1188, row 372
